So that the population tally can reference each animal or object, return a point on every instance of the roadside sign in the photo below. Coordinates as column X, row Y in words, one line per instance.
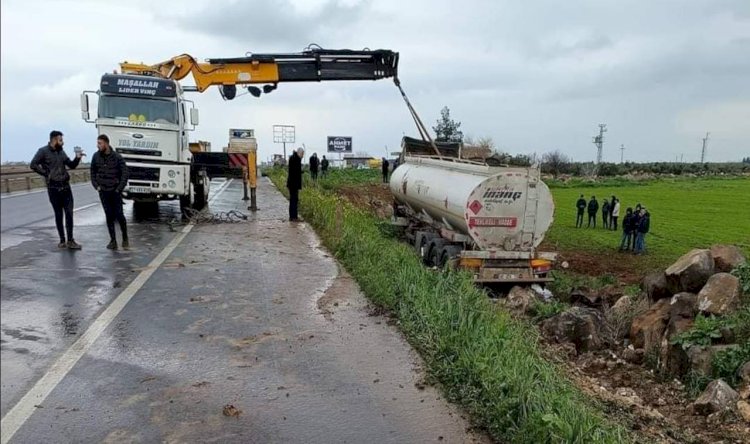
column 338, row 144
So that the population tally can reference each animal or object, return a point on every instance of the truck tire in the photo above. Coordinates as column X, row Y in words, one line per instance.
column 422, row 242
column 200, row 197
column 186, row 203
column 449, row 256
column 434, row 253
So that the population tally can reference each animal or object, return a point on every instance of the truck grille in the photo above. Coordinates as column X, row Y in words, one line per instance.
column 144, row 173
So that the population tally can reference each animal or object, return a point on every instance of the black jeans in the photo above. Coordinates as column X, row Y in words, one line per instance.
column 61, row 199
column 613, row 223
column 314, row 174
column 605, row 220
column 293, row 203
column 579, row 219
column 592, row 219
column 112, row 204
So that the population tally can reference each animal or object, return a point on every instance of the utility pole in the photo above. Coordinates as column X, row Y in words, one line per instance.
column 703, row 152
column 622, row 153
column 599, row 142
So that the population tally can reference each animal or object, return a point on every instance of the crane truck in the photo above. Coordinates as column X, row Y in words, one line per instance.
column 482, row 218
column 144, row 111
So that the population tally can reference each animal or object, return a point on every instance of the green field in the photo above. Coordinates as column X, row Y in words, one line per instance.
column 685, row 214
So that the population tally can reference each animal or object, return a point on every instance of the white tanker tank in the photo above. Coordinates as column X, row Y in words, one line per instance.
column 490, row 219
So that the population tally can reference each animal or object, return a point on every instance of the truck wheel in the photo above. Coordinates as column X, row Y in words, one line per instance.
column 186, row 202
column 200, row 197
column 449, row 255
column 422, row 243
column 434, row 253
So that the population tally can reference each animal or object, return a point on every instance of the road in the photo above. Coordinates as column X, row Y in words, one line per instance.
column 159, row 344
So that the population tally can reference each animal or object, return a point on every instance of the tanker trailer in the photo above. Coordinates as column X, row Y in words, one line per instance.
column 485, row 219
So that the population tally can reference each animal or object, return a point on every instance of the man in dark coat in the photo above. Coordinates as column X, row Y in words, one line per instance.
column 605, row 214
column 593, row 210
column 628, row 226
column 644, row 225
column 50, row 161
column 385, row 166
column 109, row 176
column 324, row 166
column 581, row 208
column 314, row 164
column 294, row 182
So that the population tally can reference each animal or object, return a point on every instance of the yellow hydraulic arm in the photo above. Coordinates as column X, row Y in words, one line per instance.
column 312, row 65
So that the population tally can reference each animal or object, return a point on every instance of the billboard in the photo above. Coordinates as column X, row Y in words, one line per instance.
column 339, row 144
column 236, row 133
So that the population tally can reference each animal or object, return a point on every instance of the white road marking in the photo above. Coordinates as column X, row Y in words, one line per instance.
column 20, row 413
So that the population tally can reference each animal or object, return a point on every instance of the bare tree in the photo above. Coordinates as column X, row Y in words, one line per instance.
column 555, row 162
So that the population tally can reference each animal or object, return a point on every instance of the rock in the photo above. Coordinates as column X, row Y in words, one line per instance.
column 655, row 286
column 622, row 306
column 585, row 298
column 743, row 408
column 647, row 329
column 683, row 305
column 701, row 358
column 744, row 391
column 726, row 257
column 628, row 396
column 690, row 272
column 519, row 299
column 718, row 396
column 743, row 373
column 634, row 356
column 580, row 326
column 720, row 295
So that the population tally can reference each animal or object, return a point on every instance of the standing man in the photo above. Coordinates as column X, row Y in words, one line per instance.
column 593, row 210
column 580, row 207
column 109, row 176
column 50, row 161
column 385, row 166
column 615, row 214
column 644, row 225
column 605, row 214
column 324, row 166
column 314, row 163
column 628, row 227
column 294, row 182
column 611, row 210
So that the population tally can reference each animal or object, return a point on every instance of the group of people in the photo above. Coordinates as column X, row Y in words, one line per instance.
column 109, row 176
column 635, row 225
column 316, row 165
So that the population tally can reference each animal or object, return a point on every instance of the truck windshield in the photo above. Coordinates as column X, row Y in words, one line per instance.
column 138, row 109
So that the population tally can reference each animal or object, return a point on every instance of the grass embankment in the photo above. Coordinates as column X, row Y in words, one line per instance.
column 484, row 360
column 685, row 214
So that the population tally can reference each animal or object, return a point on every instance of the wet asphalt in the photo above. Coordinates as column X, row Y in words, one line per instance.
column 248, row 332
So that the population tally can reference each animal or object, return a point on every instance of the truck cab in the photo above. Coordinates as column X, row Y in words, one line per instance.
column 147, row 120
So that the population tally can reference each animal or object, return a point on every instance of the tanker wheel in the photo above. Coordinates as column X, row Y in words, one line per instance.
column 449, row 255
column 422, row 241
column 434, row 253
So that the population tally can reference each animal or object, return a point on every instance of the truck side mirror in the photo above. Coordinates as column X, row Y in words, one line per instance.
column 85, row 106
column 194, row 120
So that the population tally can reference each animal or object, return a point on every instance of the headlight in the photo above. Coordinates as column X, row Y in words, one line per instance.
column 172, row 184
column 171, row 174
column 163, row 185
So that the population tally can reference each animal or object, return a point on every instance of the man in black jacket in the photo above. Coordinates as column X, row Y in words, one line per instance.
column 385, row 165
column 593, row 210
column 314, row 164
column 50, row 161
column 294, row 182
column 580, row 207
column 109, row 176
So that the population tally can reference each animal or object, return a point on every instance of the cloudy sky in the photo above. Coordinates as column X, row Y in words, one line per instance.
column 535, row 76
